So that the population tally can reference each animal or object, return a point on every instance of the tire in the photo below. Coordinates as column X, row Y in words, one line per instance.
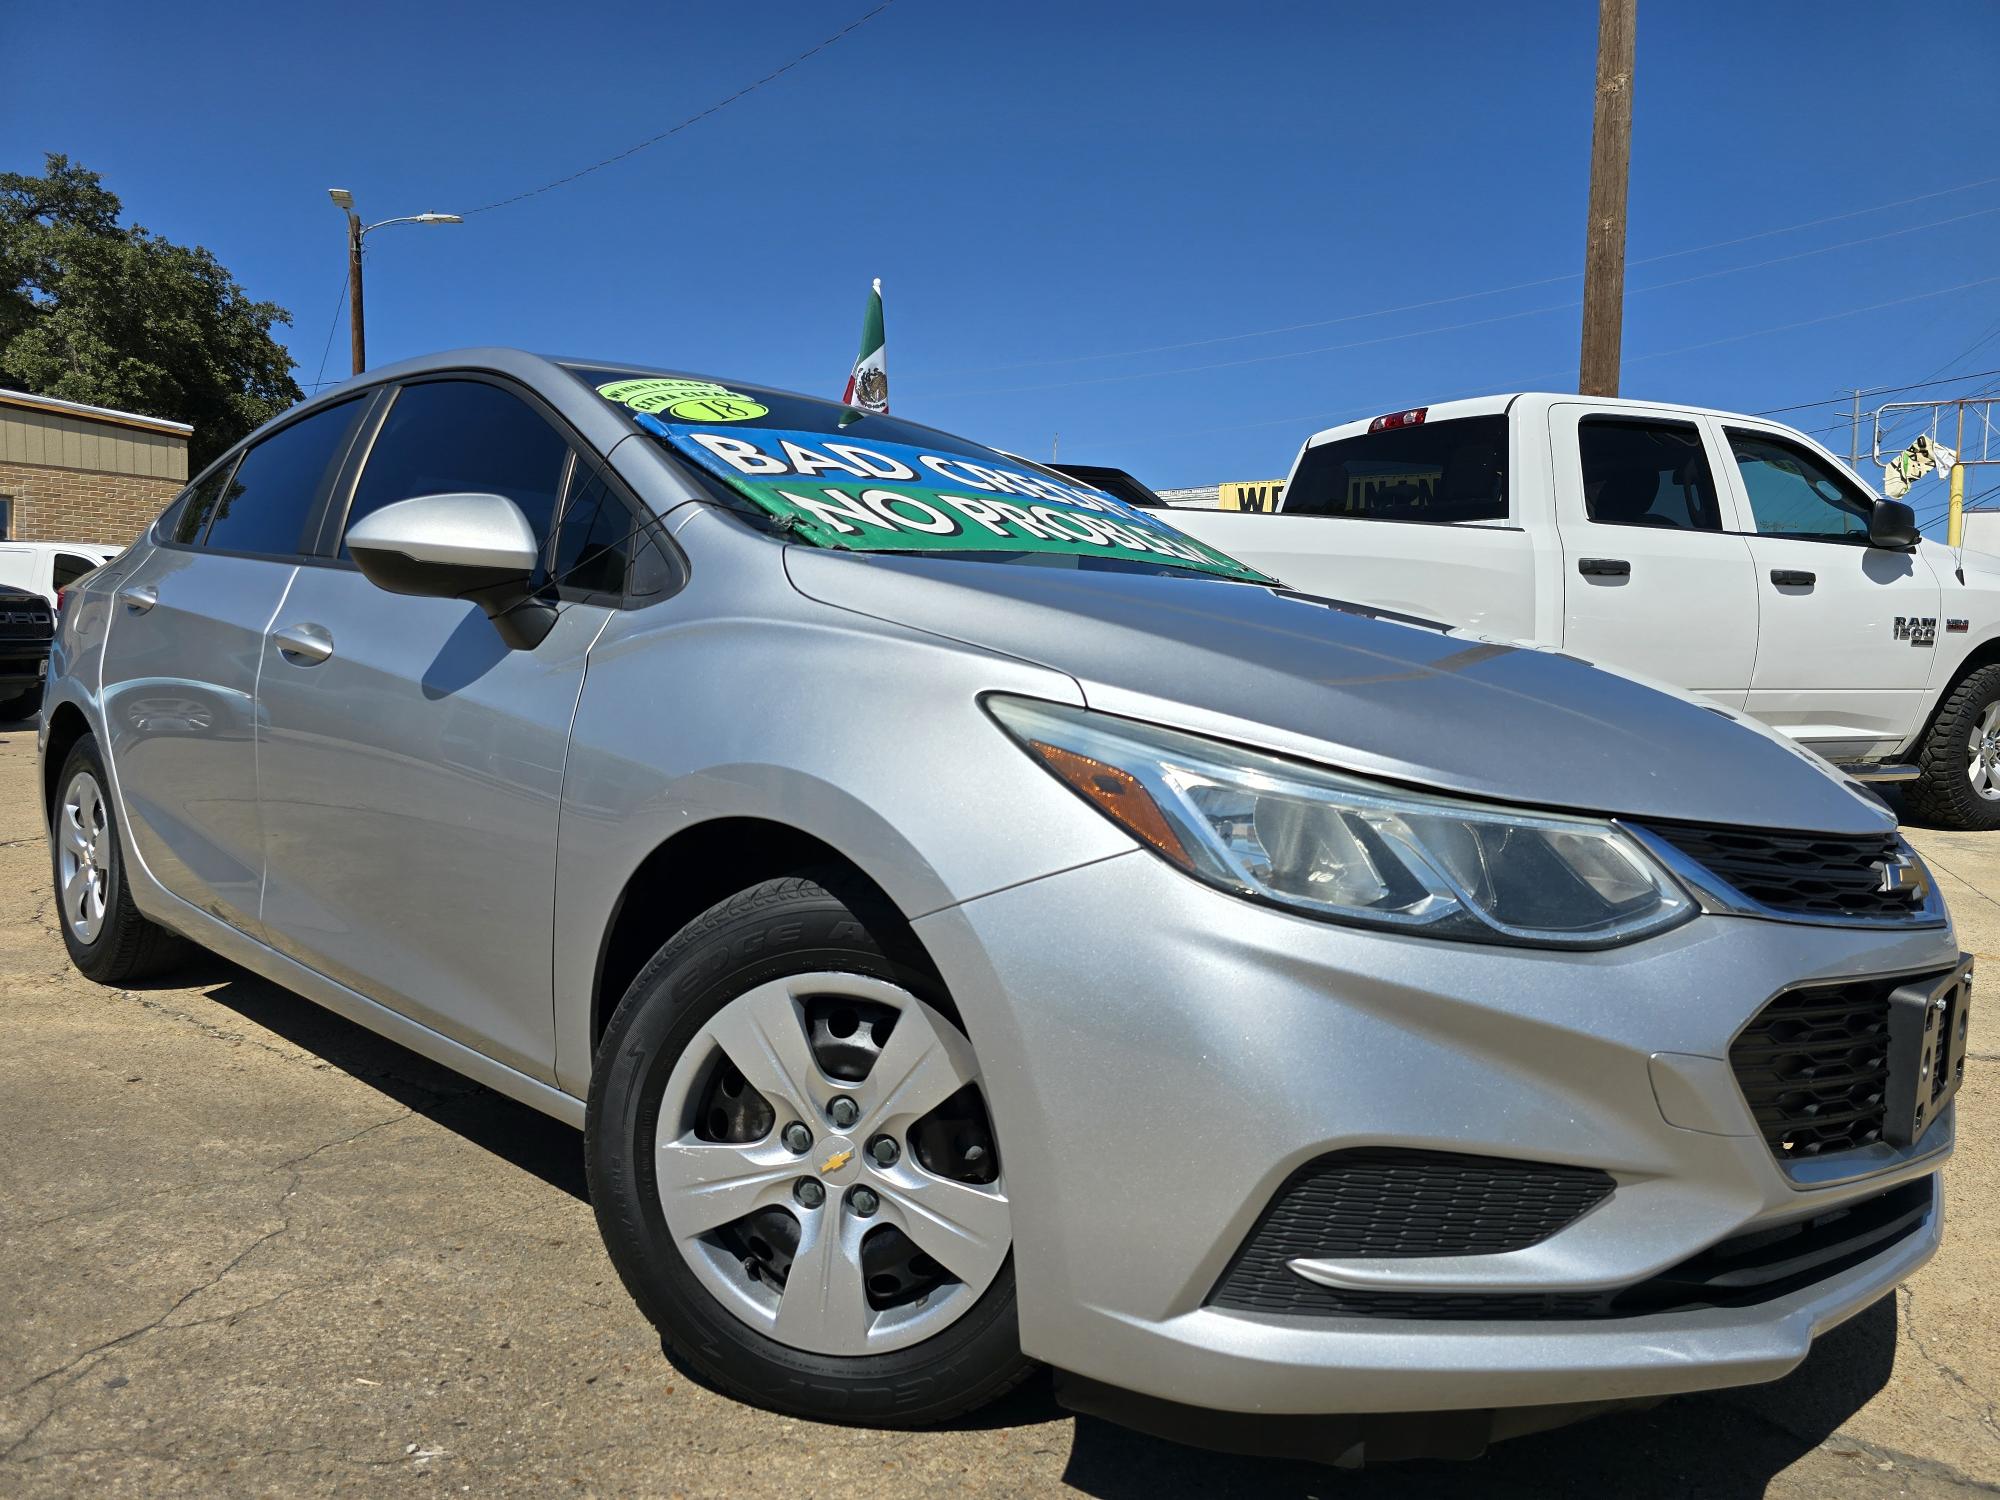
column 21, row 706
column 108, row 940
column 728, row 1321
column 1947, row 794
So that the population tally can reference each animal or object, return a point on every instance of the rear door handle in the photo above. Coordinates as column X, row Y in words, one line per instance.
column 1793, row 578
column 140, row 598
column 1604, row 567
column 304, row 645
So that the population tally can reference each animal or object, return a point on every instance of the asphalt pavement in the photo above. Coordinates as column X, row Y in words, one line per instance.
column 248, row 1248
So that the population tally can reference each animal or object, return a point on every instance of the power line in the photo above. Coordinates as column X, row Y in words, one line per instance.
column 331, row 327
column 1519, row 286
column 1391, row 338
column 1883, row 390
column 750, row 88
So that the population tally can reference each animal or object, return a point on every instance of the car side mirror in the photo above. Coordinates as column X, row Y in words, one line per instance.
column 474, row 547
column 1892, row 524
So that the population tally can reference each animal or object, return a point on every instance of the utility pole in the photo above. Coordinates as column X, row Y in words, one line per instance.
column 354, row 320
column 356, row 230
column 1610, row 169
column 1854, row 435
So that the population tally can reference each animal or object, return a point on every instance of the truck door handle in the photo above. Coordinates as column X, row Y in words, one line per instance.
column 1793, row 578
column 141, row 598
column 1604, row 567
column 304, row 645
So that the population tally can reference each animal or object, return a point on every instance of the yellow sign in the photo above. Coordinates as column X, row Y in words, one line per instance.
column 1250, row 494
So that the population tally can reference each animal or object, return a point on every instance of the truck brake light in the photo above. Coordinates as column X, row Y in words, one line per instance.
column 1411, row 418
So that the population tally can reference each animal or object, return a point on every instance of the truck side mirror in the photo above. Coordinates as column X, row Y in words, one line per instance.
column 1892, row 524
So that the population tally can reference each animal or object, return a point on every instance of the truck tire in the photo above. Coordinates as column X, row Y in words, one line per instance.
column 1960, row 757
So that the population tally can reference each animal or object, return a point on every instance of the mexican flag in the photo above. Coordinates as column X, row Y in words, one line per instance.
column 868, row 382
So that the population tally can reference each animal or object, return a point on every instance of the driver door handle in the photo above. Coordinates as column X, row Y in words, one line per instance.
column 304, row 645
column 1604, row 567
column 1793, row 578
column 140, row 598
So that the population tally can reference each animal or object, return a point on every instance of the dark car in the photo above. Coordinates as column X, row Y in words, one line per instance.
column 27, row 625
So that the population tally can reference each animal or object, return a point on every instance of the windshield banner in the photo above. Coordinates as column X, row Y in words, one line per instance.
column 899, row 498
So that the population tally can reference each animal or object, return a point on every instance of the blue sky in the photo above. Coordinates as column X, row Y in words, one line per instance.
column 1040, row 185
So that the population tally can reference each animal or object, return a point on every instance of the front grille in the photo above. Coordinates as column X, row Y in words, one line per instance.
column 1749, row 1268
column 1385, row 1202
column 1814, row 1067
column 1807, row 874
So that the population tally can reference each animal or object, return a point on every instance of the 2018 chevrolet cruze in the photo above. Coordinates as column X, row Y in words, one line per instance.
column 975, row 924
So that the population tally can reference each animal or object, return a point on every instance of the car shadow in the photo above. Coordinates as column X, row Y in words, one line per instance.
column 1724, row 1444
column 526, row 1137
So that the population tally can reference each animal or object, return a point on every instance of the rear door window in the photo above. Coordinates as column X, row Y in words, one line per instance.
column 446, row 437
column 1437, row 473
column 278, row 484
column 1646, row 473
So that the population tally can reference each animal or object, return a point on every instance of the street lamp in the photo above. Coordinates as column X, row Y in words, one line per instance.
column 344, row 201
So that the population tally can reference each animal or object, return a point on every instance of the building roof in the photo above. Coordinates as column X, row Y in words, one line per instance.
column 76, row 409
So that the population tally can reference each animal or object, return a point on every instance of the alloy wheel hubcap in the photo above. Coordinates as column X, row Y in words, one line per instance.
column 82, row 844
column 1983, row 746
column 876, row 1255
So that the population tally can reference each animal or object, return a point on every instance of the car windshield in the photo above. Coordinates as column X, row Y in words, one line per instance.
column 837, row 476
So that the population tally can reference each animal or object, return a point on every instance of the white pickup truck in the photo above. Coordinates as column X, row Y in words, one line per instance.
column 1726, row 555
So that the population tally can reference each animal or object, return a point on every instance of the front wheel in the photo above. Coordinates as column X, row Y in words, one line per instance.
column 1960, row 757
column 794, row 1170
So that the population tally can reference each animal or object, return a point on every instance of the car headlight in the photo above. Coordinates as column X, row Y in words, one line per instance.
column 1348, row 849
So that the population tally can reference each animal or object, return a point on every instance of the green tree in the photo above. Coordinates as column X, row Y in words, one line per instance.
column 115, row 315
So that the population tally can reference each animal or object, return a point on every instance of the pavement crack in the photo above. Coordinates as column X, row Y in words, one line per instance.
column 1985, row 1403
column 295, row 1167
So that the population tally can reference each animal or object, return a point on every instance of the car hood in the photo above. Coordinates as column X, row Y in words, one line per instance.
column 1349, row 688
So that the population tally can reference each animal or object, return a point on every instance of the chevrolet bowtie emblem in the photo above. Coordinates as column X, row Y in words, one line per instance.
column 1901, row 875
column 838, row 1160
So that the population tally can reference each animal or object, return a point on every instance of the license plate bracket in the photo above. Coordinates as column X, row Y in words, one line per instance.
column 1929, row 1027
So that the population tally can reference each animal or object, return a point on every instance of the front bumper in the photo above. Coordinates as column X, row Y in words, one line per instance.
column 1159, row 1056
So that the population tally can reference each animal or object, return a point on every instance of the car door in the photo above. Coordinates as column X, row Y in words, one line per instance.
column 1652, row 581
column 1842, row 663
column 181, row 654
column 411, row 764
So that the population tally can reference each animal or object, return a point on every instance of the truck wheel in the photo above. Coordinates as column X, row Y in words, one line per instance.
column 20, row 707
column 793, row 1168
column 1960, row 787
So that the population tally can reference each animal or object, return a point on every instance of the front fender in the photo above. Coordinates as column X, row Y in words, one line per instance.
column 865, row 736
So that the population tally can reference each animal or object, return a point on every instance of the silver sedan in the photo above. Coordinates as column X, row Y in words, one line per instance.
column 976, row 925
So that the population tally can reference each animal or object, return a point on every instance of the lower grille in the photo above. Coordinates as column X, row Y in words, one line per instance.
column 1748, row 1269
column 1814, row 1067
column 1384, row 1202
column 1808, row 874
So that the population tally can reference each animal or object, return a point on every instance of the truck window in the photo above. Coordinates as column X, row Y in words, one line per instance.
column 68, row 567
column 1794, row 494
column 1646, row 473
column 1436, row 472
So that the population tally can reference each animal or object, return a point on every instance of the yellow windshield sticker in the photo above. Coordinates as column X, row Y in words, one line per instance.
column 690, row 400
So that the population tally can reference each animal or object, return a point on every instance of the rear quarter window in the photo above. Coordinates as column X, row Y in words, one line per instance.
column 1436, row 473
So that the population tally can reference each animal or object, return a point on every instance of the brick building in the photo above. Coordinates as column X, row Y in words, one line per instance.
column 74, row 473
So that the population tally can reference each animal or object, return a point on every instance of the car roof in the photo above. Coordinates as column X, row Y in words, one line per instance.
column 1487, row 406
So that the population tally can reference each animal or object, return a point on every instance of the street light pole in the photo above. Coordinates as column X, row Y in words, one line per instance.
column 355, row 321
column 344, row 201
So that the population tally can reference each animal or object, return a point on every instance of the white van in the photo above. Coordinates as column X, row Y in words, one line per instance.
column 48, row 566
